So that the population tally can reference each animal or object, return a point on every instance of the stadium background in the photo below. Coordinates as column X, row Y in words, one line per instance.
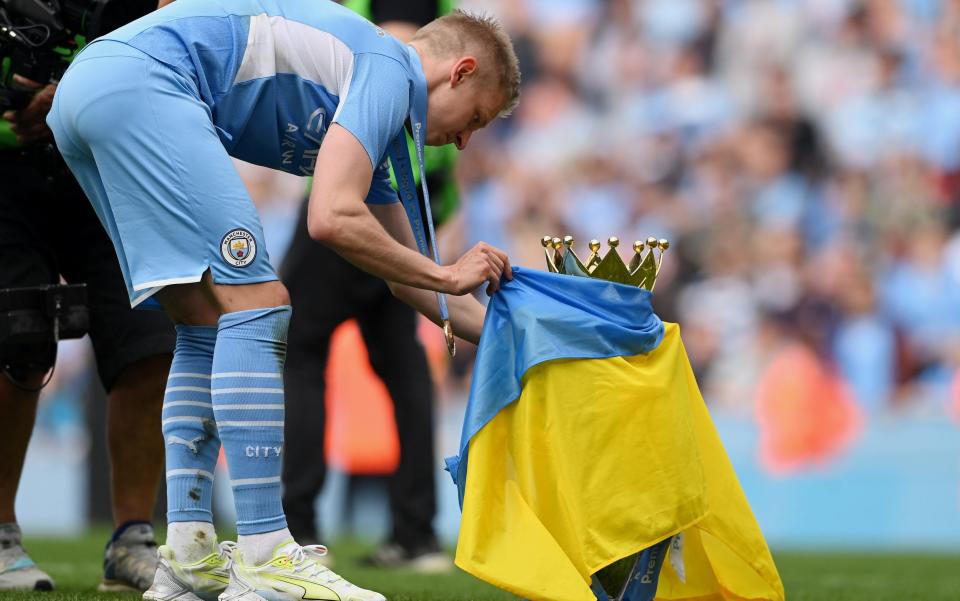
column 803, row 157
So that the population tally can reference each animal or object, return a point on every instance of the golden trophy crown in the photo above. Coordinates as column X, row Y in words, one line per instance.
column 641, row 271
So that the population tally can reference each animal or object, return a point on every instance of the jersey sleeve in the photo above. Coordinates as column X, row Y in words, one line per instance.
column 381, row 192
column 375, row 105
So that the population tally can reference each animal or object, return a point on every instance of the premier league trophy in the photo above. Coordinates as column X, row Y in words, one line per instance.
column 642, row 271
column 589, row 468
column 633, row 578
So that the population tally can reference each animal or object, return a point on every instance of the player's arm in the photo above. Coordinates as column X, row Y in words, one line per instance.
column 339, row 218
column 466, row 313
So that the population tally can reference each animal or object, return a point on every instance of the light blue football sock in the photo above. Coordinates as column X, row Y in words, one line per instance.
column 189, row 429
column 247, row 388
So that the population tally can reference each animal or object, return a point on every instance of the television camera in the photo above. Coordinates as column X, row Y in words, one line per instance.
column 39, row 37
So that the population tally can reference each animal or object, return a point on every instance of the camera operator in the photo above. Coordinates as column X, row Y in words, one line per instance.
column 48, row 231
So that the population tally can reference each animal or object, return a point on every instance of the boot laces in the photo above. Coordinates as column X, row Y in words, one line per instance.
column 225, row 552
column 305, row 562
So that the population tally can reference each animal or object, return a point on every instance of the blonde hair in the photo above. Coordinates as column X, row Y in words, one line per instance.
column 461, row 31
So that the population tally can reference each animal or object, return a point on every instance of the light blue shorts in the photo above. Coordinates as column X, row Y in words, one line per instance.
column 143, row 147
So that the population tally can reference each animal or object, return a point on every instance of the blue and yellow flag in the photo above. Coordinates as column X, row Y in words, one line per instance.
column 586, row 440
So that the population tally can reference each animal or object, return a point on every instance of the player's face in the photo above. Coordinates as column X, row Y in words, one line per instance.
column 461, row 107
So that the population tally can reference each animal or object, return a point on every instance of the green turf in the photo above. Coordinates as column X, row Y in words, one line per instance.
column 75, row 565
column 809, row 576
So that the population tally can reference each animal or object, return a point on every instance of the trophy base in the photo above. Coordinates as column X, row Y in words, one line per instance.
column 633, row 578
column 613, row 577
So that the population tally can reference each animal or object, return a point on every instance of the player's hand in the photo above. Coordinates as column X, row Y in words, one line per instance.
column 29, row 124
column 482, row 263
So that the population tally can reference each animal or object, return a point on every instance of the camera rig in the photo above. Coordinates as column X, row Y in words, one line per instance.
column 32, row 321
column 39, row 37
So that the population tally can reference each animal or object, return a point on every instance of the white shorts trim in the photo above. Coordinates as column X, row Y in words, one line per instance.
column 142, row 297
column 151, row 288
column 190, row 279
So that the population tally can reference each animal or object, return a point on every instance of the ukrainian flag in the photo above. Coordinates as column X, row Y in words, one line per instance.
column 586, row 440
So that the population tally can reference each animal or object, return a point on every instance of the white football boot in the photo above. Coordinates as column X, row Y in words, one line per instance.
column 293, row 573
column 201, row 580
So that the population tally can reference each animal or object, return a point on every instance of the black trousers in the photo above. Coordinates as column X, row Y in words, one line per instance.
column 325, row 291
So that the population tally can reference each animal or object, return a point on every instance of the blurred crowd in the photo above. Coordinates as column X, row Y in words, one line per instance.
column 802, row 156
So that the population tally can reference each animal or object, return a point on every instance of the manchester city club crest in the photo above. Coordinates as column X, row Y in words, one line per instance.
column 238, row 248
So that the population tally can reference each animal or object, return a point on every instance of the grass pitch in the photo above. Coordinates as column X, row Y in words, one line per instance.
column 75, row 565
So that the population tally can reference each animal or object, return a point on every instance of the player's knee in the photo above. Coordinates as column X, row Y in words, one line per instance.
column 189, row 304
column 266, row 295
column 282, row 295
column 273, row 294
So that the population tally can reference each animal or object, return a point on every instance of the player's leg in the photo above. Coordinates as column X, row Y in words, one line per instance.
column 133, row 179
column 389, row 329
column 133, row 351
column 246, row 387
column 176, row 210
column 231, row 339
column 191, row 561
column 248, row 402
column 192, row 565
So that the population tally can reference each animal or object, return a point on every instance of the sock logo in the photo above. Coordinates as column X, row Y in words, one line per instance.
column 238, row 248
column 258, row 451
column 190, row 444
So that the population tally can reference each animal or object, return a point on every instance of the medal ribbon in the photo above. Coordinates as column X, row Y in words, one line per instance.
column 418, row 211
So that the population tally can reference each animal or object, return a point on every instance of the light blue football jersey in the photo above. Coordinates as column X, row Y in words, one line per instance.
column 277, row 73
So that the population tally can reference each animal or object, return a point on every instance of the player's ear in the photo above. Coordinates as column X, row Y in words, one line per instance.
column 462, row 69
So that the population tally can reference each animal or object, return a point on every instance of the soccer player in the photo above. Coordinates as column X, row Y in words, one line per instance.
column 147, row 117
column 389, row 329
